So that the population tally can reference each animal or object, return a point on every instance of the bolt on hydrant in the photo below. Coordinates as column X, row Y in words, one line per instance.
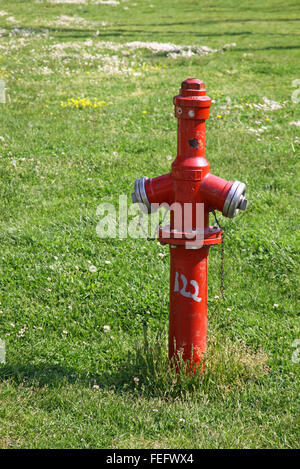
column 191, row 192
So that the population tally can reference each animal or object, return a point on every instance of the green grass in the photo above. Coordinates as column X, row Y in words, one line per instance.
column 67, row 382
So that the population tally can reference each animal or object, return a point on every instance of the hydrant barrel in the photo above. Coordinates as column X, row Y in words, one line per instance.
column 188, row 303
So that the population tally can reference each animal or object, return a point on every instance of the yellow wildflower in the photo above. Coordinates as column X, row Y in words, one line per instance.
column 81, row 103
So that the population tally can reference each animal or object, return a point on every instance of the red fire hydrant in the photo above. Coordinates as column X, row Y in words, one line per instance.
column 191, row 192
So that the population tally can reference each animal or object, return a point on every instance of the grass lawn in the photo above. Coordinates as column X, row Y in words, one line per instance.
column 88, row 110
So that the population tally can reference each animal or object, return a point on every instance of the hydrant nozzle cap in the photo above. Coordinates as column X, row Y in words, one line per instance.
column 235, row 200
column 243, row 204
column 139, row 195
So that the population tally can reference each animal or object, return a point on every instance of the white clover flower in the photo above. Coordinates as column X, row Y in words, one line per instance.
column 22, row 331
column 92, row 268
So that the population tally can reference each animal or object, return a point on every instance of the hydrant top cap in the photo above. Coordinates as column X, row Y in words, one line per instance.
column 193, row 88
column 192, row 84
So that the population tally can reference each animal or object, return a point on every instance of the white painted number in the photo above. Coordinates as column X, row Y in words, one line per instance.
column 183, row 290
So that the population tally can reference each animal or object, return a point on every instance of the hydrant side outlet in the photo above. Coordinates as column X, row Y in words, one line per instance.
column 190, row 183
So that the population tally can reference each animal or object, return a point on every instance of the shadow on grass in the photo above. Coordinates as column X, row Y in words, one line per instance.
column 222, row 21
column 88, row 33
column 50, row 375
column 146, row 371
column 73, row 33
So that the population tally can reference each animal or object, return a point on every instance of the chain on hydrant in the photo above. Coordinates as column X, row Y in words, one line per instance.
column 222, row 256
column 191, row 192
